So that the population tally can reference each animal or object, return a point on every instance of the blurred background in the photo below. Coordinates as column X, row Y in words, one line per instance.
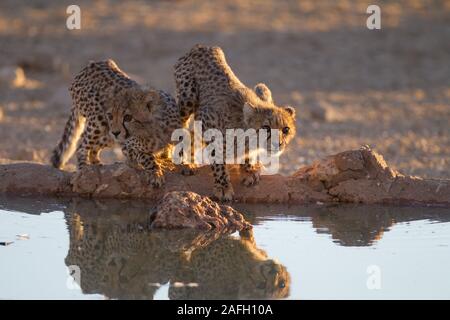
column 387, row 88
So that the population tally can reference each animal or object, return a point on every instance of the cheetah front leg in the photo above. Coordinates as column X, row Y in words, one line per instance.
column 82, row 157
column 146, row 161
column 223, row 190
column 150, row 165
column 93, row 140
column 82, row 152
column 185, row 168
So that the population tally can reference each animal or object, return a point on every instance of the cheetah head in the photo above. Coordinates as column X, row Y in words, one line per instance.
column 268, row 280
column 261, row 113
column 128, row 110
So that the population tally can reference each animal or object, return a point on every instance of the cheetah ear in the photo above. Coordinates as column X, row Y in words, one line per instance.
column 151, row 98
column 290, row 110
column 263, row 92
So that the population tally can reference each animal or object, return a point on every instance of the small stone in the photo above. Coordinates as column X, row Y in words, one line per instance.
column 185, row 209
column 323, row 111
column 155, row 284
column 178, row 284
column 12, row 76
column 23, row 237
column 41, row 62
column 26, row 155
column 319, row 113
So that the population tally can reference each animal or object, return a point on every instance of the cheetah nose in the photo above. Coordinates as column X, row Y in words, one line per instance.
column 115, row 133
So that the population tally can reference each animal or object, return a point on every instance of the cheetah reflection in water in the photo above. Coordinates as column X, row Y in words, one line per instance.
column 119, row 257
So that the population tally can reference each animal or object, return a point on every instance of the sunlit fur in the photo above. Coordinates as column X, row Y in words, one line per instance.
column 109, row 108
column 208, row 88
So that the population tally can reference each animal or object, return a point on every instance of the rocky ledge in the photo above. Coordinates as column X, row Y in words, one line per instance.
column 358, row 176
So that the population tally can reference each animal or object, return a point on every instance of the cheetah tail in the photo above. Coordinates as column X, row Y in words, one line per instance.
column 66, row 146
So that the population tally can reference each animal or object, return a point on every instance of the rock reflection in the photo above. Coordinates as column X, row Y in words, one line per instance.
column 365, row 225
column 121, row 258
column 348, row 224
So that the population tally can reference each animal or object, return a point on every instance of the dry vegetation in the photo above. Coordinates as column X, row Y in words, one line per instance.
column 351, row 86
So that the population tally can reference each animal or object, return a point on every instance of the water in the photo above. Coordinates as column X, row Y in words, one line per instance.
column 79, row 249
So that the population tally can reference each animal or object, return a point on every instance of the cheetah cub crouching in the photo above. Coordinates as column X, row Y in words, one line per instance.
column 208, row 88
column 108, row 108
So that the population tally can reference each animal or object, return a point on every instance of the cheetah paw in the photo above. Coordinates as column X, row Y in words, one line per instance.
column 156, row 180
column 250, row 179
column 224, row 194
column 187, row 170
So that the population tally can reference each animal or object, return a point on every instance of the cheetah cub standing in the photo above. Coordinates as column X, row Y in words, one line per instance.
column 207, row 87
column 108, row 108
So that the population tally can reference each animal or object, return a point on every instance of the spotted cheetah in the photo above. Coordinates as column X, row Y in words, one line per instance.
column 207, row 87
column 109, row 107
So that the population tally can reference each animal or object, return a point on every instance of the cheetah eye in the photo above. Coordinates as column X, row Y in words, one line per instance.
column 127, row 118
column 109, row 115
column 285, row 130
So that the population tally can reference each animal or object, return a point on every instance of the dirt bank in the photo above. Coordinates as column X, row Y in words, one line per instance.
column 358, row 176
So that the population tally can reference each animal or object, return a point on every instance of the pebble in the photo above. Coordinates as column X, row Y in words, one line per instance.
column 12, row 76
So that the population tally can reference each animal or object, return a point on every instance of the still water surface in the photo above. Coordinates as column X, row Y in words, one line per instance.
column 81, row 249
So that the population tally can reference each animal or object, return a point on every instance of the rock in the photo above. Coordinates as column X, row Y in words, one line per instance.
column 322, row 111
column 348, row 165
column 319, row 113
column 26, row 154
column 24, row 179
column 23, row 237
column 12, row 76
column 41, row 62
column 185, row 209
column 113, row 181
column 358, row 176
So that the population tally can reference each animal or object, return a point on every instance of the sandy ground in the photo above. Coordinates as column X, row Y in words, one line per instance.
column 351, row 86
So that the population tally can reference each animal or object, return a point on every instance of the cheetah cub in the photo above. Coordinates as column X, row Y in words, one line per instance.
column 208, row 88
column 108, row 108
